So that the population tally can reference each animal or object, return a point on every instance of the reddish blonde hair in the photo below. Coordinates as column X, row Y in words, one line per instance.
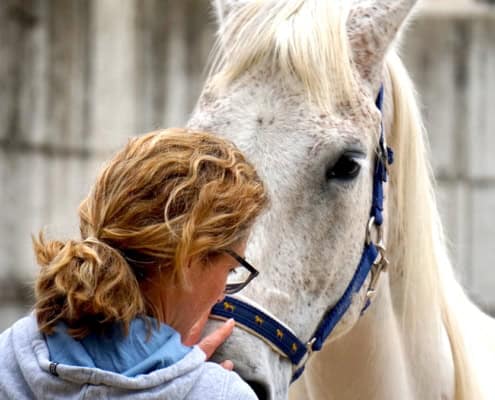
column 166, row 197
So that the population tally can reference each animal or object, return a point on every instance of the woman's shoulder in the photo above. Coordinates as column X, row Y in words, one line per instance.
column 24, row 328
column 18, row 358
column 218, row 383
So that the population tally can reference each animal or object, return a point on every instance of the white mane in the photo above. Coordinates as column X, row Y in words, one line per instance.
column 425, row 281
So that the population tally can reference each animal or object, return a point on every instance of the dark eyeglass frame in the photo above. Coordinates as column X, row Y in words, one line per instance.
column 237, row 287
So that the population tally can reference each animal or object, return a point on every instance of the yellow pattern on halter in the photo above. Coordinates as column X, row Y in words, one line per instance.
column 280, row 334
column 228, row 306
column 258, row 320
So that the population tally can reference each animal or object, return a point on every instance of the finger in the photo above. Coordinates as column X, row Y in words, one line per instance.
column 211, row 342
column 228, row 365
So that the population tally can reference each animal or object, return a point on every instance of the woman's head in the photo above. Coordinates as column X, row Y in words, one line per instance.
column 167, row 198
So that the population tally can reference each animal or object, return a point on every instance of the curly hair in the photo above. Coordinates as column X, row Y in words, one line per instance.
column 166, row 197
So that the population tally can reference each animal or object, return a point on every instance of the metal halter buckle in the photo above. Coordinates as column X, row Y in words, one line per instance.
column 381, row 262
column 382, row 153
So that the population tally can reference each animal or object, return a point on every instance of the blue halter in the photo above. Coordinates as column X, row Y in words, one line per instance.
column 373, row 260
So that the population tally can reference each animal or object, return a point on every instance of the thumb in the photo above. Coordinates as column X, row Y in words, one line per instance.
column 211, row 342
column 228, row 365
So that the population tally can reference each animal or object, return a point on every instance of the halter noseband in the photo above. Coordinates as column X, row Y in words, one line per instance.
column 277, row 335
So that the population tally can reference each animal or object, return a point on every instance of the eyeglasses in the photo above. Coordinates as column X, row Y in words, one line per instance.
column 239, row 276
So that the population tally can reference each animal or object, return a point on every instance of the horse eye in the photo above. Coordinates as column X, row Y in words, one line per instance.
column 346, row 168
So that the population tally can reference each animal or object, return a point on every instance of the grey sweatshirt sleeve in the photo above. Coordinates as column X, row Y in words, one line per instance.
column 217, row 383
column 236, row 388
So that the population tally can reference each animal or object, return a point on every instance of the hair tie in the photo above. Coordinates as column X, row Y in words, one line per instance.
column 95, row 240
column 92, row 239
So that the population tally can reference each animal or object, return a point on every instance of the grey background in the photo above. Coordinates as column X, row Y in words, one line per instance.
column 78, row 77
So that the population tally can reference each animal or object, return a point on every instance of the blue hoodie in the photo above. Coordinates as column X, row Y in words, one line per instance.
column 34, row 367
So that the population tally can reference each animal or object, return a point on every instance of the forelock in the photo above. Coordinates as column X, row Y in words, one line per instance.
column 304, row 40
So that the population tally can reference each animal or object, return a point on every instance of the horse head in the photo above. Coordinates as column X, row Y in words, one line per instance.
column 294, row 85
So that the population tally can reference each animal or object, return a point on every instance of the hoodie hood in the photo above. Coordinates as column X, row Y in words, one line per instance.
column 149, row 346
column 37, row 376
column 28, row 370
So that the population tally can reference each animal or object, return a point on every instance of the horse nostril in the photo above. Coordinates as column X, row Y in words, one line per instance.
column 260, row 389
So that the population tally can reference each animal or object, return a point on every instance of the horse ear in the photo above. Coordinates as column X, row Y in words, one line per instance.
column 223, row 8
column 373, row 26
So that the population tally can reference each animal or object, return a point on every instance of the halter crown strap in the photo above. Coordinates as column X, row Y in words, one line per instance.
column 281, row 338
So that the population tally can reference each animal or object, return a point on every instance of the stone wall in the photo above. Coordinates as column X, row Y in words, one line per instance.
column 77, row 77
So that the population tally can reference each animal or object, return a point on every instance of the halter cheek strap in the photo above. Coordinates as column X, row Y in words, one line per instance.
column 281, row 338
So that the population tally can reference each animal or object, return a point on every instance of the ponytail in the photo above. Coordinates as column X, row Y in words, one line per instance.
column 86, row 284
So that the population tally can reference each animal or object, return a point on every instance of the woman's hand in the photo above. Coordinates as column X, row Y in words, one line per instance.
column 211, row 342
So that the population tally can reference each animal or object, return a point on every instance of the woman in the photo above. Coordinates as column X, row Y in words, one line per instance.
column 163, row 231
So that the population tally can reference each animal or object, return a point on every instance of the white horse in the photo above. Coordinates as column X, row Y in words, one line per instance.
column 294, row 84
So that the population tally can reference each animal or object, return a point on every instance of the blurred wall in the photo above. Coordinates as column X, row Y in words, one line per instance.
column 450, row 53
column 77, row 77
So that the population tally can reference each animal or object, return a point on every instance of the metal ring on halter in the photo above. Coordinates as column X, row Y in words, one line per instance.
column 307, row 356
column 379, row 233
